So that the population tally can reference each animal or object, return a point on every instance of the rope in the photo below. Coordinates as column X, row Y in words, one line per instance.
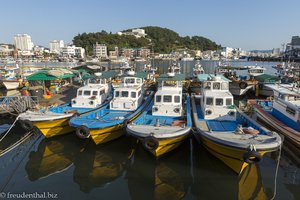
column 16, row 144
column 276, row 173
column 10, row 128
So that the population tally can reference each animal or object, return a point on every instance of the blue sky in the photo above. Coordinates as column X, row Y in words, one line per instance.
column 255, row 24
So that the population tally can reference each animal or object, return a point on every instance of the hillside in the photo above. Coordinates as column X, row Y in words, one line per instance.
column 162, row 40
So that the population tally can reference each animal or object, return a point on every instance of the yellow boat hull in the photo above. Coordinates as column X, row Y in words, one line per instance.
column 232, row 157
column 166, row 145
column 54, row 127
column 104, row 135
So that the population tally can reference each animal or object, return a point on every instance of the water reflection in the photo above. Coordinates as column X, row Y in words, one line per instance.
column 213, row 180
column 167, row 178
column 52, row 156
column 98, row 165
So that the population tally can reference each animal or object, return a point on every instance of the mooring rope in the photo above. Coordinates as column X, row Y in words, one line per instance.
column 276, row 173
column 10, row 128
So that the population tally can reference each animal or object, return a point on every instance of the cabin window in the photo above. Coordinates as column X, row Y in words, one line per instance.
column 133, row 94
column 225, row 86
column 209, row 101
column 170, row 83
column 216, row 86
column 158, row 98
column 290, row 111
column 138, row 81
column 95, row 93
column 101, row 92
column 139, row 93
column 117, row 94
column 228, row 102
column 219, row 102
column 87, row 93
column 129, row 80
column 207, row 85
column 79, row 92
column 124, row 94
column 281, row 96
column 177, row 99
column 167, row 98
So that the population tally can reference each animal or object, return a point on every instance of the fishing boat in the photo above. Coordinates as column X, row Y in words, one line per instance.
column 197, row 69
column 129, row 101
column 174, row 68
column 55, row 121
column 240, row 86
column 256, row 70
column 167, row 121
column 8, row 77
column 224, row 130
column 283, row 112
column 266, row 79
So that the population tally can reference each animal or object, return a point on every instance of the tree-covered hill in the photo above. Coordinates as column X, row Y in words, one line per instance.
column 162, row 40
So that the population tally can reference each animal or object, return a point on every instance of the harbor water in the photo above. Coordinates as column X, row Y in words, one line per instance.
column 66, row 167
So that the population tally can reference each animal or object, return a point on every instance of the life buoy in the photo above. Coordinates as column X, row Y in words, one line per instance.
column 243, row 85
column 252, row 157
column 150, row 143
column 26, row 124
column 83, row 132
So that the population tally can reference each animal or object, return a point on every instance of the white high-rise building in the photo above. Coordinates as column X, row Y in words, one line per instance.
column 55, row 46
column 23, row 42
column 100, row 50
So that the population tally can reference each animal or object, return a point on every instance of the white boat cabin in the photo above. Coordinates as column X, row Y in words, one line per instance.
column 91, row 96
column 215, row 99
column 168, row 98
column 128, row 94
column 95, row 92
column 286, row 102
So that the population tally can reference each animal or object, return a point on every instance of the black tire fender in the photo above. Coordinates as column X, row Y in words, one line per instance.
column 260, row 86
column 126, row 122
column 150, row 143
column 243, row 85
column 252, row 157
column 26, row 124
column 83, row 132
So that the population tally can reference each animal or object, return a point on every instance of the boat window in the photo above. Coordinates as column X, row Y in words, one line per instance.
column 129, row 80
column 158, row 98
column 139, row 93
column 207, row 85
column 95, row 93
column 101, row 92
column 228, row 102
column 290, row 111
column 87, row 93
column 209, row 101
column 219, row 102
column 117, row 94
column 281, row 96
column 133, row 94
column 177, row 99
column 124, row 94
column 79, row 92
column 170, row 83
column 167, row 98
column 216, row 86
column 138, row 81
column 225, row 86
